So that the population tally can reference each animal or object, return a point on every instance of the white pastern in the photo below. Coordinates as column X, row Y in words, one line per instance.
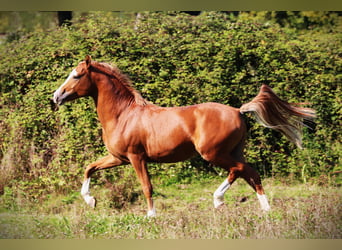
column 151, row 213
column 219, row 193
column 263, row 202
column 86, row 193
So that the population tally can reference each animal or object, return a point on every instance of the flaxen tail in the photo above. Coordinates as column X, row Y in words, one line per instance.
column 274, row 113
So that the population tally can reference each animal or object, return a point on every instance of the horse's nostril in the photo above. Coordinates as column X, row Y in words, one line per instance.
column 63, row 91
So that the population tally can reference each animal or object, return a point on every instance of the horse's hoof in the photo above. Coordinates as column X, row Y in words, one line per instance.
column 92, row 202
column 218, row 202
column 151, row 213
column 221, row 208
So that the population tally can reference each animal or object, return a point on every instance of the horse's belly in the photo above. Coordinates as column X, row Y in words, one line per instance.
column 178, row 153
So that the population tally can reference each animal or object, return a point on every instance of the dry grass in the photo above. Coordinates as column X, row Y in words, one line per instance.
column 186, row 212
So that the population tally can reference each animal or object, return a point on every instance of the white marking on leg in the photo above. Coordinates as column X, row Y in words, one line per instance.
column 86, row 193
column 219, row 193
column 151, row 213
column 85, row 187
column 263, row 202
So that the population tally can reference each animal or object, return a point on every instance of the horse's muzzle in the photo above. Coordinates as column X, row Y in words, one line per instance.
column 59, row 97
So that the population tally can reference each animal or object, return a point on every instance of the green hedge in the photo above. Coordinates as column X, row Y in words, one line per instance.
column 173, row 59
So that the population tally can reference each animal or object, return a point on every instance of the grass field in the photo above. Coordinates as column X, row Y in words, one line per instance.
column 299, row 211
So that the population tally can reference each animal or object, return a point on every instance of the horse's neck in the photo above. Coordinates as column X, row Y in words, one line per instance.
column 110, row 102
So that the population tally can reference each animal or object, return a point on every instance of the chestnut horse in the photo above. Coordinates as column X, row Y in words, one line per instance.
column 137, row 132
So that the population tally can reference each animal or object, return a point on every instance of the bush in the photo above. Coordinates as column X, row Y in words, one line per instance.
column 173, row 59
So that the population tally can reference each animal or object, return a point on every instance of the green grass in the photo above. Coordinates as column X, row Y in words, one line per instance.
column 185, row 211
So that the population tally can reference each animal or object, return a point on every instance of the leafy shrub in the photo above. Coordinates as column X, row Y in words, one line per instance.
column 173, row 59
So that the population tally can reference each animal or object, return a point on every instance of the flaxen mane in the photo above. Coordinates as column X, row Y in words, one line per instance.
column 123, row 79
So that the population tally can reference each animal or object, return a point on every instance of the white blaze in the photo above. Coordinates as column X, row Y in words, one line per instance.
column 58, row 95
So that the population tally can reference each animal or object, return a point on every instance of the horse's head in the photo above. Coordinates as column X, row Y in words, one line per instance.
column 78, row 84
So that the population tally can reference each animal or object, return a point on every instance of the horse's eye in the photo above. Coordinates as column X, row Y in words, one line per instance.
column 77, row 77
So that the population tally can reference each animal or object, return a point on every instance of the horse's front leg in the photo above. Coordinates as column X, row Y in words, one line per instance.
column 108, row 161
column 140, row 167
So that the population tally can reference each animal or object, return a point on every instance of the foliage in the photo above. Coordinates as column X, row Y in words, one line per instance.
column 173, row 59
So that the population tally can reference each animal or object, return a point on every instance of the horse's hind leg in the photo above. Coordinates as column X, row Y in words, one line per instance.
column 221, row 190
column 243, row 170
column 108, row 161
column 252, row 177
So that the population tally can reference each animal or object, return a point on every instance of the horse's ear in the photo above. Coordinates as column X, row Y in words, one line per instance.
column 88, row 61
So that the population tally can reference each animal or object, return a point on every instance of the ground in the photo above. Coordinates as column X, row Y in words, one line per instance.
column 185, row 211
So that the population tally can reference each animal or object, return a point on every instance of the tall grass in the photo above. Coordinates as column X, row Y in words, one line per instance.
column 184, row 212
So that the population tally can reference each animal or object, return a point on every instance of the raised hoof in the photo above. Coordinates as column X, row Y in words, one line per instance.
column 91, row 202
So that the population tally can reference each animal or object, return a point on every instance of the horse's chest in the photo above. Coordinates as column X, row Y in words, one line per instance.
column 120, row 144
